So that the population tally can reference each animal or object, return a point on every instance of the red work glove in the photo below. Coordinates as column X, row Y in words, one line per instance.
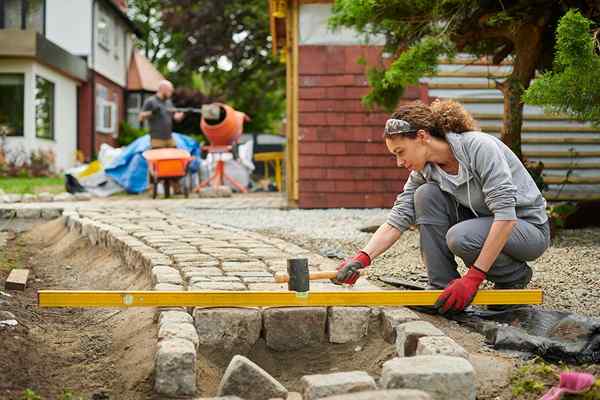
column 460, row 292
column 348, row 271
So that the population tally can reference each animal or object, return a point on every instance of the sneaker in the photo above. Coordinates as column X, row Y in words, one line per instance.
column 520, row 284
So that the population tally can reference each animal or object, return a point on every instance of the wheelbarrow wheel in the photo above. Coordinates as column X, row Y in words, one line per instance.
column 154, row 186
column 167, row 185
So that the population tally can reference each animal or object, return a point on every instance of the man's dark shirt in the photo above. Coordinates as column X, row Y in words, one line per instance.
column 161, row 120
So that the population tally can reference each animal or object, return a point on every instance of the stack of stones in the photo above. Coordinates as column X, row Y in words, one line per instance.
column 187, row 255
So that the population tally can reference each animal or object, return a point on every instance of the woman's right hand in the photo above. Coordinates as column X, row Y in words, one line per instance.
column 349, row 269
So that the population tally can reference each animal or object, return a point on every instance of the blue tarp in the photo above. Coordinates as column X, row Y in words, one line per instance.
column 130, row 169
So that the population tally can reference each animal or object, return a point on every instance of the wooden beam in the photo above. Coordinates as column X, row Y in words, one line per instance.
column 573, row 165
column 546, row 128
column 561, row 140
column 561, row 154
column 572, row 180
column 90, row 298
column 565, row 195
column 461, row 85
column 17, row 279
column 526, row 117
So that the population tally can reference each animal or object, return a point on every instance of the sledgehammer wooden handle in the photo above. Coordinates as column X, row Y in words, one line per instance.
column 281, row 277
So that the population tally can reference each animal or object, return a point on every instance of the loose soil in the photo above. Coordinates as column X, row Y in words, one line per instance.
column 90, row 353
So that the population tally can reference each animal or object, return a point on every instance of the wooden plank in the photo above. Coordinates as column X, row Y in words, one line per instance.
column 476, row 100
column 555, row 195
column 471, row 74
column 526, row 117
column 561, row 140
column 573, row 180
column 561, row 154
column 545, row 128
column 87, row 298
column 17, row 279
column 570, row 165
column 461, row 85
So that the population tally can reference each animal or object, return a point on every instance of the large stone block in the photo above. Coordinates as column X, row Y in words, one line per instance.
column 29, row 213
column 397, row 394
column 319, row 386
column 174, row 316
column 347, row 324
column 246, row 379
column 175, row 368
column 409, row 333
column 293, row 328
column 391, row 318
column 443, row 377
column 178, row 331
column 228, row 328
column 432, row 345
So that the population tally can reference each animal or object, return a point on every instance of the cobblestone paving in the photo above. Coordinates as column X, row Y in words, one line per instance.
column 189, row 254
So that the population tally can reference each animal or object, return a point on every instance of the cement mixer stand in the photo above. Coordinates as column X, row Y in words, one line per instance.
column 219, row 176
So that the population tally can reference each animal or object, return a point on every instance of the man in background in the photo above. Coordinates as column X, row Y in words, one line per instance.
column 158, row 109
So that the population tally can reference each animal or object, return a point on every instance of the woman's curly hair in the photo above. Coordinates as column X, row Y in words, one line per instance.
column 440, row 118
column 452, row 116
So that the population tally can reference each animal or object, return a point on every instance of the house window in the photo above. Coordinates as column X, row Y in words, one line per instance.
column 22, row 14
column 134, row 106
column 44, row 108
column 106, row 111
column 12, row 104
column 104, row 32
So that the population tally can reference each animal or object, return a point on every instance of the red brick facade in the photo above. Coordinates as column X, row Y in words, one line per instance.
column 342, row 158
column 117, row 94
column 87, row 124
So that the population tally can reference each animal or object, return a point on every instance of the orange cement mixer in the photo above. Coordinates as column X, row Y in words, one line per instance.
column 227, row 129
column 223, row 127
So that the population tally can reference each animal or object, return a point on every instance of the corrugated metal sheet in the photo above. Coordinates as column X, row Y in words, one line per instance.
column 570, row 150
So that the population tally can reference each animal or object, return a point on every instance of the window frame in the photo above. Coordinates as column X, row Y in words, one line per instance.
column 24, row 12
column 101, row 108
column 52, row 111
column 20, row 133
column 104, row 40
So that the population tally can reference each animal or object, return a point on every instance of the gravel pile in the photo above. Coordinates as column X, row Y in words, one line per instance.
column 569, row 271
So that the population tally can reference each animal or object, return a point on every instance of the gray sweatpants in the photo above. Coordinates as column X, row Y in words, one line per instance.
column 448, row 229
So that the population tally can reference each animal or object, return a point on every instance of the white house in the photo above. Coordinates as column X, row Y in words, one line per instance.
column 64, row 72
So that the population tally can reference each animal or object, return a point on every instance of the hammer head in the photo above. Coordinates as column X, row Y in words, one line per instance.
column 297, row 269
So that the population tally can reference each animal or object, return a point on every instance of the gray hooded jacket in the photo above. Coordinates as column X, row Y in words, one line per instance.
column 491, row 181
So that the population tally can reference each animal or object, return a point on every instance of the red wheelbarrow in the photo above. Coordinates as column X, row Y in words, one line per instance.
column 169, row 165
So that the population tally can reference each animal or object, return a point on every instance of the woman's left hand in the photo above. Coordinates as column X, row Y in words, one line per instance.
column 460, row 292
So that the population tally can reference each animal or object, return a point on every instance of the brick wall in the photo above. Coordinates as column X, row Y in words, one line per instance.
column 343, row 161
column 117, row 94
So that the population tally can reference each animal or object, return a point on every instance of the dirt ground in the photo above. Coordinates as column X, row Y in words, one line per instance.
column 92, row 353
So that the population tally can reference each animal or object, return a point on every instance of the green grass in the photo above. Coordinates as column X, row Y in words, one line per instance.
column 32, row 185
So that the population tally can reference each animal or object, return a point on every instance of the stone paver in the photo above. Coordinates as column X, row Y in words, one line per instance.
column 396, row 394
column 348, row 324
column 408, row 335
column 175, row 368
column 244, row 378
column 228, row 328
column 293, row 328
column 443, row 377
column 318, row 386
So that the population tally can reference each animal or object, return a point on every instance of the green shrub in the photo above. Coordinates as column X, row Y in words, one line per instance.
column 128, row 133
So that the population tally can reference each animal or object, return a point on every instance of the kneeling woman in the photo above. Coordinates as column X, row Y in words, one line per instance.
column 470, row 197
